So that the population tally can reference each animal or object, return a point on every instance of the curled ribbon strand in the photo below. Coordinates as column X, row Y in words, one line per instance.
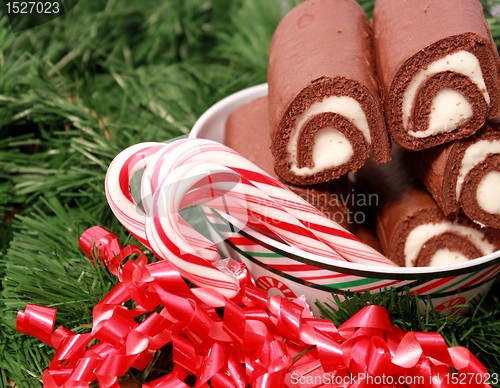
column 258, row 342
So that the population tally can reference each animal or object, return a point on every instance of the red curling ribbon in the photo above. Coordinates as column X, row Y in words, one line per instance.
column 408, row 352
column 255, row 341
column 373, row 317
column 466, row 361
column 37, row 321
column 97, row 242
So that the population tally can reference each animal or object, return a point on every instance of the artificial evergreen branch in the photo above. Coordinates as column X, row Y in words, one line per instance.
column 76, row 91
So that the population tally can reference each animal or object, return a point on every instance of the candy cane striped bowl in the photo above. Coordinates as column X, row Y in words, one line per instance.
column 286, row 270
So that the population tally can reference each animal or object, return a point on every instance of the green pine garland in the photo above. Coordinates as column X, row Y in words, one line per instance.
column 76, row 91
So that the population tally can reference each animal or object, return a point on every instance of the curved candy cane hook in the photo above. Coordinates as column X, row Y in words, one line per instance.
column 197, row 172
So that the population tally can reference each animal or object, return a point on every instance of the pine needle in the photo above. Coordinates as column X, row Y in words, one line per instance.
column 248, row 49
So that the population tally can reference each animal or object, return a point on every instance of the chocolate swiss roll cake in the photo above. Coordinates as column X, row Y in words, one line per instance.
column 465, row 175
column 412, row 229
column 247, row 132
column 324, row 106
column 438, row 67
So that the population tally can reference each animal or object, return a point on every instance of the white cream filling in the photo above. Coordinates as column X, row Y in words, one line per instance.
column 333, row 152
column 475, row 154
column 462, row 62
column 488, row 193
column 420, row 235
column 447, row 256
column 449, row 109
column 326, row 141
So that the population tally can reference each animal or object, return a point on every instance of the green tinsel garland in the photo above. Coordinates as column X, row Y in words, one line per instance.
column 76, row 91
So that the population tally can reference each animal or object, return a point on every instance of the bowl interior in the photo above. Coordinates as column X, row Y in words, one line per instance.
column 211, row 124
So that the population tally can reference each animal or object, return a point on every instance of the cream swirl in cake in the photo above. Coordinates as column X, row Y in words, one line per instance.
column 439, row 69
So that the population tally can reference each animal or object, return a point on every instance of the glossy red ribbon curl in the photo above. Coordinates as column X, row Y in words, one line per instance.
column 259, row 341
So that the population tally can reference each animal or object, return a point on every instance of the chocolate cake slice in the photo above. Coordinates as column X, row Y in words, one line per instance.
column 438, row 68
column 465, row 175
column 412, row 229
column 247, row 132
column 324, row 107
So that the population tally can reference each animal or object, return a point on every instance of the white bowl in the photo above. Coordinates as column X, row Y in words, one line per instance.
column 448, row 286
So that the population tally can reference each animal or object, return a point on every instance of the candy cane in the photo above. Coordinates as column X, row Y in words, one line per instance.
column 192, row 172
column 117, row 186
column 329, row 232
